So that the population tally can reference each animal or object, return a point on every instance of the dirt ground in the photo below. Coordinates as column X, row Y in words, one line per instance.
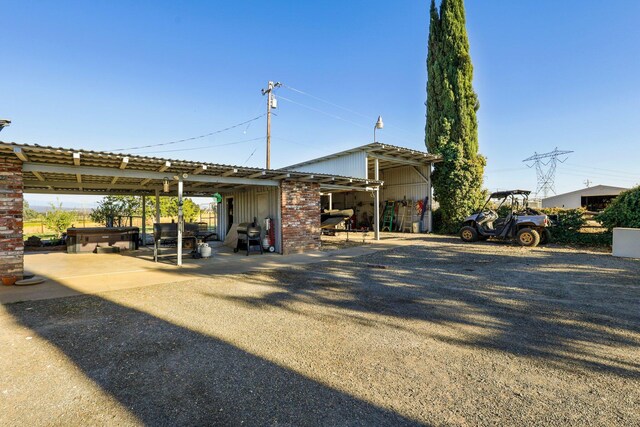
column 433, row 333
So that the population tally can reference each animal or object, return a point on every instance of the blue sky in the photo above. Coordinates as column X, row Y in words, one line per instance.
column 109, row 75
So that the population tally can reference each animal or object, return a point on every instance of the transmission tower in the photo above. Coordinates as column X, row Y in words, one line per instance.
column 546, row 178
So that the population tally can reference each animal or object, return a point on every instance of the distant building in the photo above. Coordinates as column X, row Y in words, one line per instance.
column 594, row 198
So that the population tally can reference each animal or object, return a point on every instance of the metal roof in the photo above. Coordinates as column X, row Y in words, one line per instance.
column 71, row 171
column 388, row 156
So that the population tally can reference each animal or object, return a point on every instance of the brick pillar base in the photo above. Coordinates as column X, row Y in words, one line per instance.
column 11, row 198
column 300, row 202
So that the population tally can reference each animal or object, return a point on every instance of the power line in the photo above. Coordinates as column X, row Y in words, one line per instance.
column 327, row 102
column 192, row 138
column 250, row 156
column 205, row 147
column 602, row 169
column 612, row 172
column 315, row 147
column 322, row 112
column 603, row 177
column 368, row 117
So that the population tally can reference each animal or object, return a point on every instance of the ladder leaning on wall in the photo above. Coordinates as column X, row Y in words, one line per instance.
column 388, row 215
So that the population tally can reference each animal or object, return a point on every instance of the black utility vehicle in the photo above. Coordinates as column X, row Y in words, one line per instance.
column 522, row 223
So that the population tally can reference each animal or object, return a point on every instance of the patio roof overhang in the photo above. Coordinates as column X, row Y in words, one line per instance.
column 389, row 156
column 75, row 171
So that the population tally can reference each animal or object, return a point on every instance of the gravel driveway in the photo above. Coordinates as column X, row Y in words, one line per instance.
column 434, row 333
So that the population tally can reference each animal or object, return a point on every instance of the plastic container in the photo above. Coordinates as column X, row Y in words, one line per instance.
column 204, row 250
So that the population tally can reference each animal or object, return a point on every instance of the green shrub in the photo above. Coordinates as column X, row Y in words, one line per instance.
column 624, row 211
column 567, row 226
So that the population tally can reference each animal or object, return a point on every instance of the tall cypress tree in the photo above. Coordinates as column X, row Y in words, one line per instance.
column 452, row 127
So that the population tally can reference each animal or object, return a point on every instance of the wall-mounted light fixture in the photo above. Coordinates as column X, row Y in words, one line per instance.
column 165, row 185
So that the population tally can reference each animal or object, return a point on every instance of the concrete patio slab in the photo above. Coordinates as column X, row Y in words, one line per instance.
column 95, row 273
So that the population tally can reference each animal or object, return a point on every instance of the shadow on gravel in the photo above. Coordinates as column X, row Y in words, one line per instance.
column 166, row 374
column 567, row 309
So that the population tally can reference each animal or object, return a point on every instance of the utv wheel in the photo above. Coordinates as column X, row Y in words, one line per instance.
column 468, row 234
column 528, row 237
column 545, row 236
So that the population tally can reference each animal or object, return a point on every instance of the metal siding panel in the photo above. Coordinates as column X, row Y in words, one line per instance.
column 245, row 205
column 404, row 182
column 352, row 165
column 399, row 183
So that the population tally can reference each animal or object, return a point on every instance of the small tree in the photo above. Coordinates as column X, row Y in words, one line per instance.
column 113, row 206
column 624, row 210
column 169, row 207
column 29, row 214
column 190, row 210
column 58, row 219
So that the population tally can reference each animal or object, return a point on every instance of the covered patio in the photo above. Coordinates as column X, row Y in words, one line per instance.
column 290, row 198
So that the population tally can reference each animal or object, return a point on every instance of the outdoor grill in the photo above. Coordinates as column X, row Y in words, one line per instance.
column 248, row 236
column 168, row 233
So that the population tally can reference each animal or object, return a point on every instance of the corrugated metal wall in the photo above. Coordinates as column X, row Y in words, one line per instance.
column 353, row 165
column 252, row 202
column 404, row 182
column 399, row 183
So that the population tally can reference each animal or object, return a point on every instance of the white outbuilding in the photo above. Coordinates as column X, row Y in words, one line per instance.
column 406, row 185
column 594, row 198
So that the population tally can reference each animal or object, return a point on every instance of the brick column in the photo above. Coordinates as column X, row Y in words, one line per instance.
column 11, row 243
column 300, row 203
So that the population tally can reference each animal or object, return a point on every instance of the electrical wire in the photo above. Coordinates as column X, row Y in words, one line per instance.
column 314, row 147
column 192, row 138
column 602, row 169
column 326, row 102
column 321, row 112
column 605, row 171
column 368, row 117
column 584, row 174
column 333, row 116
column 250, row 156
column 205, row 147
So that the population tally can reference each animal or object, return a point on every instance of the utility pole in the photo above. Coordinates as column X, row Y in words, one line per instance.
column 271, row 103
column 587, row 183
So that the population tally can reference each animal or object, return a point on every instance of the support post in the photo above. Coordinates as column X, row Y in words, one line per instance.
column 157, row 206
column 144, row 220
column 376, row 202
column 330, row 201
column 180, row 221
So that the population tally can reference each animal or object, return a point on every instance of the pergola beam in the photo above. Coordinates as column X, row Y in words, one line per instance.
column 257, row 174
column 107, row 186
column 199, row 169
column 230, row 172
column 124, row 163
column 20, row 154
column 164, row 167
column 139, row 174
column 398, row 161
